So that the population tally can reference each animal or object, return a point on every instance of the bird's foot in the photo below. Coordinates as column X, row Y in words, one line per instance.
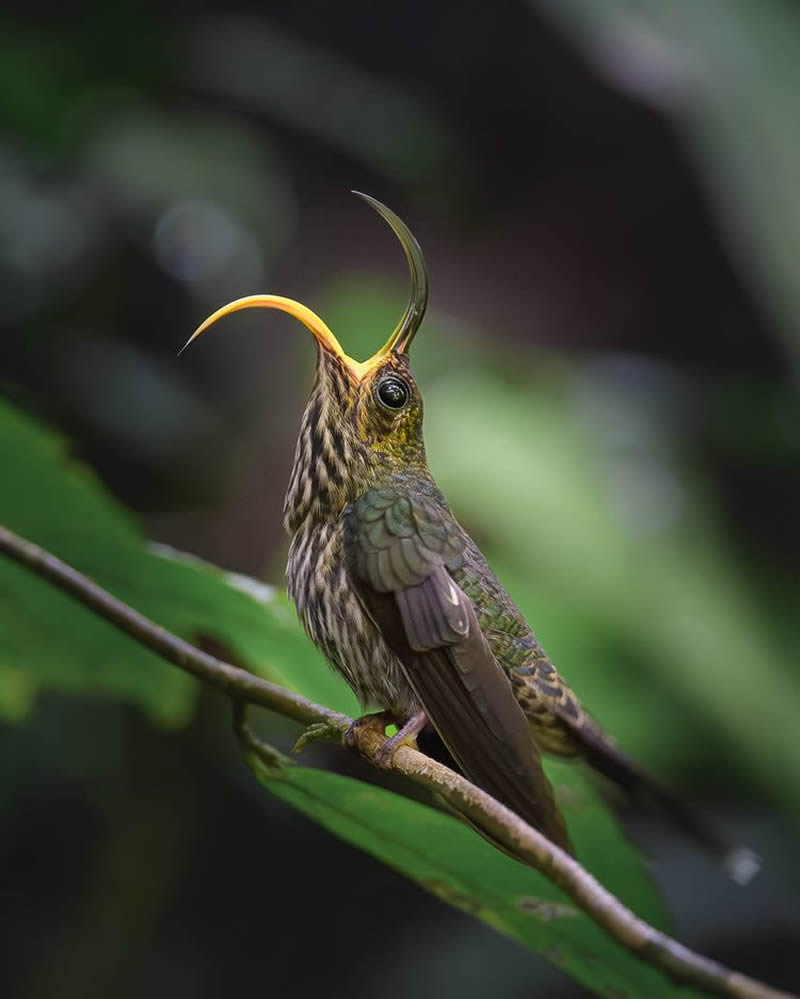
column 406, row 736
column 375, row 722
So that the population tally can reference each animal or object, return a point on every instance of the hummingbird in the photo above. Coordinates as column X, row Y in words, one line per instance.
column 402, row 602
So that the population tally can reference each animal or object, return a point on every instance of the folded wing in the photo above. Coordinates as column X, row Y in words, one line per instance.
column 400, row 549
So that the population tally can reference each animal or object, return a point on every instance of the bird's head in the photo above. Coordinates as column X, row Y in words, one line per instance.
column 363, row 421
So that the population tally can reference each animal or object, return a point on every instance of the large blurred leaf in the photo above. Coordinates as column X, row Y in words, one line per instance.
column 49, row 641
column 448, row 859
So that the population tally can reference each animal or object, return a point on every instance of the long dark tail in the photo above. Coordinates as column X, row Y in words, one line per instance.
column 739, row 862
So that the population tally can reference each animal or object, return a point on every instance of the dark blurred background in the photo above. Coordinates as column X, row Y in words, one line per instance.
column 606, row 196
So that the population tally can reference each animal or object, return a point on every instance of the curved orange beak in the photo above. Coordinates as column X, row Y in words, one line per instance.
column 323, row 335
column 400, row 339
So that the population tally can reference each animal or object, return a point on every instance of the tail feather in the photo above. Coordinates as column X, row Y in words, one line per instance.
column 739, row 862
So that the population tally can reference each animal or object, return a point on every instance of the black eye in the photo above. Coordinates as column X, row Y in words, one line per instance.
column 393, row 392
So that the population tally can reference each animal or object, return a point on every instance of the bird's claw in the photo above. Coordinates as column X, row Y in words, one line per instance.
column 383, row 756
column 376, row 721
column 407, row 736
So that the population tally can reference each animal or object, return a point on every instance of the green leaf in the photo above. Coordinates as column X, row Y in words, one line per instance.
column 446, row 858
column 48, row 641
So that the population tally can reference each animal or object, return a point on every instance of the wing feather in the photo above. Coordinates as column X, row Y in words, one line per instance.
column 404, row 571
column 399, row 550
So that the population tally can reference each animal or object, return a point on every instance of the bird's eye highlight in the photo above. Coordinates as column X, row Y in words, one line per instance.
column 392, row 392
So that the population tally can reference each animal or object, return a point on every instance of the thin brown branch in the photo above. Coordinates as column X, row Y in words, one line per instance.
column 502, row 824
column 238, row 683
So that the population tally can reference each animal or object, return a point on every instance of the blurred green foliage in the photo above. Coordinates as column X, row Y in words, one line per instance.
column 609, row 217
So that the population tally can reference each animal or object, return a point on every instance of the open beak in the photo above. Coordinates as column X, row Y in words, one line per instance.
column 400, row 339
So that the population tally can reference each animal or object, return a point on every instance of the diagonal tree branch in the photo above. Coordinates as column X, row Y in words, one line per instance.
column 487, row 813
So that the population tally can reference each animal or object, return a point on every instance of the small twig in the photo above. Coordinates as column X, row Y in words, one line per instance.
column 504, row 825
column 272, row 758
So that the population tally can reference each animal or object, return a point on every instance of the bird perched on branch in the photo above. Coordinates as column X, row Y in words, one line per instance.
column 400, row 599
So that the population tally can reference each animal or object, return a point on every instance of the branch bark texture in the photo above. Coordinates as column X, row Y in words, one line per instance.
column 502, row 824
